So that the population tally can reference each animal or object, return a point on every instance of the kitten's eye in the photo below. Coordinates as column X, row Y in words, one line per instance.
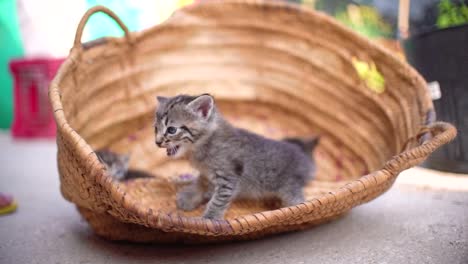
column 171, row 130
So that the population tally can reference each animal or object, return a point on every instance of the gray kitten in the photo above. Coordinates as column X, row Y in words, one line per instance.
column 117, row 165
column 232, row 162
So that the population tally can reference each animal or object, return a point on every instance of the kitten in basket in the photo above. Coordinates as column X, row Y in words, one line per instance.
column 232, row 162
column 117, row 164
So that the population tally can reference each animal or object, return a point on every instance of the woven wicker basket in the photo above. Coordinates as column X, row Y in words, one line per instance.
column 273, row 68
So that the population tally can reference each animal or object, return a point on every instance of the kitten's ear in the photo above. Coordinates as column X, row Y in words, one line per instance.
column 311, row 143
column 162, row 99
column 306, row 144
column 202, row 105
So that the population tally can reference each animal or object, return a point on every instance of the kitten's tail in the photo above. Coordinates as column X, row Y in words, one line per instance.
column 135, row 174
column 307, row 145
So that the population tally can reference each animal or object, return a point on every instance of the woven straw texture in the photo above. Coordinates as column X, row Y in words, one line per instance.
column 273, row 68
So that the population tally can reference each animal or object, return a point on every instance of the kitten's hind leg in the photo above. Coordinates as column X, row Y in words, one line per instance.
column 190, row 196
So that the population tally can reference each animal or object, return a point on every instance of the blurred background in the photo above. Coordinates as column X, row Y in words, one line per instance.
column 425, row 224
column 35, row 37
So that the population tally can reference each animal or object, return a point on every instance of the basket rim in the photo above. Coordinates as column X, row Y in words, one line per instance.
column 442, row 133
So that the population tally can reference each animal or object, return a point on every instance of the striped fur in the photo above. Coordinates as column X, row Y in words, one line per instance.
column 232, row 162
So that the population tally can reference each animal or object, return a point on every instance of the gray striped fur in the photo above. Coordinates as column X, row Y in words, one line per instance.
column 233, row 163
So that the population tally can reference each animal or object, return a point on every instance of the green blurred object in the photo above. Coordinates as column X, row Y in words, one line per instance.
column 365, row 20
column 100, row 25
column 10, row 47
column 369, row 73
column 452, row 14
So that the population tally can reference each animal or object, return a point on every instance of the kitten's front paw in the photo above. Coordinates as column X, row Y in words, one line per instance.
column 188, row 200
column 213, row 215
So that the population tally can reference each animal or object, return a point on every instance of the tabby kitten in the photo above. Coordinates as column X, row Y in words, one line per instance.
column 117, row 165
column 232, row 162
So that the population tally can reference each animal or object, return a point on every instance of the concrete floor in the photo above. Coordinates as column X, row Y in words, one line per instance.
column 405, row 225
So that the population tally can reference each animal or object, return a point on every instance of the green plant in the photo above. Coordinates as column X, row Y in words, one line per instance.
column 452, row 14
column 365, row 20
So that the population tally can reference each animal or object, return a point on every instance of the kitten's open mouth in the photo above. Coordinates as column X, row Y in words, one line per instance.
column 172, row 150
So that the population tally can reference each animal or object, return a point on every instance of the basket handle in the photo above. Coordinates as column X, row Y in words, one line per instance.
column 440, row 134
column 79, row 31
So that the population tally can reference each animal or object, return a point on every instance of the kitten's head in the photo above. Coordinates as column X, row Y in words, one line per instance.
column 116, row 164
column 182, row 120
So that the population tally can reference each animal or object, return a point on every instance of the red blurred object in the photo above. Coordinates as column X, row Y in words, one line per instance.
column 33, row 116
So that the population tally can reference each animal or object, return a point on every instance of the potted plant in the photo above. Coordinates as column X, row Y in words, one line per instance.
column 440, row 54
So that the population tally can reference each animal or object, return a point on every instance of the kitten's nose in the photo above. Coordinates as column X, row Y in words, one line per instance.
column 159, row 142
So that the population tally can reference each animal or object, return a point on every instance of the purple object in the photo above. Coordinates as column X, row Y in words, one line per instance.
column 186, row 177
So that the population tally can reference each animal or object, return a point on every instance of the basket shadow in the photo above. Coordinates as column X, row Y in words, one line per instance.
column 213, row 251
